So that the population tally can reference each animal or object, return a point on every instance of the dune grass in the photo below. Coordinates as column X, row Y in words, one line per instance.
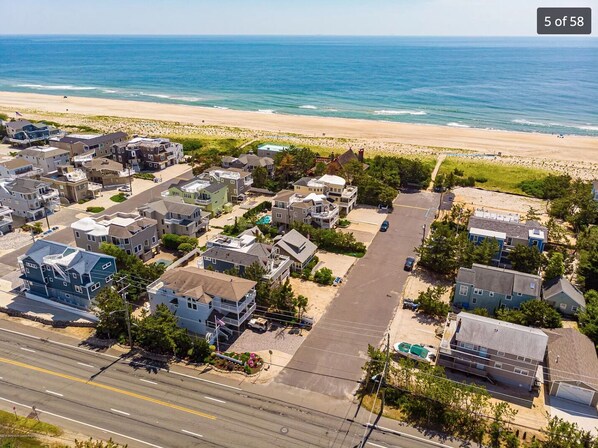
column 498, row 177
column 25, row 431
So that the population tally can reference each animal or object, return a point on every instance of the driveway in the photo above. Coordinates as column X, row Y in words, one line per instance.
column 330, row 360
column 585, row 416
column 8, row 262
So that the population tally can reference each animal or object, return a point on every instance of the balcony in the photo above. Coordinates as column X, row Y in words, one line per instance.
column 50, row 195
column 204, row 202
column 331, row 213
column 242, row 318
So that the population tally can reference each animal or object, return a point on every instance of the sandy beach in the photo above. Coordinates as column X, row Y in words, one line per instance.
column 572, row 153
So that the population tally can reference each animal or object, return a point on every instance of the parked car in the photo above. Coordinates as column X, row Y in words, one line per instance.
column 337, row 281
column 306, row 323
column 417, row 352
column 384, row 227
column 259, row 324
column 410, row 304
column 409, row 263
column 125, row 188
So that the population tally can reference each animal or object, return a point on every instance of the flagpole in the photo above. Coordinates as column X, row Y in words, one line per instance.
column 217, row 341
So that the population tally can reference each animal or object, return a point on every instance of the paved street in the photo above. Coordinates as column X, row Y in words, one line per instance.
column 106, row 396
column 330, row 360
column 8, row 262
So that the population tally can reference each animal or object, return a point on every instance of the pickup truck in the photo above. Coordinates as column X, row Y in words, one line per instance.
column 258, row 324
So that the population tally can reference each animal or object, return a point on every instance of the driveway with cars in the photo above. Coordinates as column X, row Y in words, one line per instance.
column 330, row 359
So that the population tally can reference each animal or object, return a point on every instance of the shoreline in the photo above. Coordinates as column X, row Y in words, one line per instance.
column 375, row 135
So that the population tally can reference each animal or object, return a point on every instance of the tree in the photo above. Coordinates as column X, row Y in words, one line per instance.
column 430, row 302
column 532, row 214
column 255, row 272
column 304, row 158
column 438, row 253
column 282, row 296
column 533, row 313
column 285, row 166
column 320, row 169
column 560, row 433
column 526, row 259
column 160, row 333
column 260, row 176
column 555, row 267
column 588, row 316
column 480, row 312
column 111, row 314
column 300, row 304
column 199, row 350
column 485, row 252
column 352, row 170
column 587, row 246
column 499, row 431
column 324, row 276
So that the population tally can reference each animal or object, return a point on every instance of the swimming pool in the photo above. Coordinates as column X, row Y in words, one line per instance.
column 264, row 220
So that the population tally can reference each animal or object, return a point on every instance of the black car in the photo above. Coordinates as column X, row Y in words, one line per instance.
column 384, row 227
column 409, row 263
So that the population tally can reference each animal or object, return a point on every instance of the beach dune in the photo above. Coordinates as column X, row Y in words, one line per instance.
column 519, row 144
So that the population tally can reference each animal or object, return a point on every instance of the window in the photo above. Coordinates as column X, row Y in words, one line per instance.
column 498, row 365
column 463, row 290
column 78, row 288
column 491, row 293
column 74, row 275
column 153, row 239
column 474, row 300
column 508, row 298
column 574, row 308
column 89, row 238
column 68, row 296
column 520, row 371
column 107, row 265
column 65, row 283
column 31, row 265
column 27, row 270
column 524, row 359
column 478, row 291
column 95, row 286
column 499, row 353
column 108, row 279
column 279, row 215
column 191, row 304
column 519, row 294
column 563, row 306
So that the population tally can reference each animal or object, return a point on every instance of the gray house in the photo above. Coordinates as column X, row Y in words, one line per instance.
column 507, row 231
column 499, row 351
column 28, row 198
column 298, row 248
column 132, row 232
column 173, row 215
column 65, row 274
column 572, row 366
column 248, row 162
column 201, row 298
column 491, row 288
column 237, row 181
column 563, row 296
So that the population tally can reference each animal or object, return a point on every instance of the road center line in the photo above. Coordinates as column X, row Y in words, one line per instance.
column 82, row 423
column 86, row 365
column 54, row 393
column 215, row 399
column 147, row 381
column 27, row 349
column 106, row 387
column 192, row 433
column 119, row 412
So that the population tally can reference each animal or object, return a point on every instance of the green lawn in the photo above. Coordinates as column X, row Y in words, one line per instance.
column 500, row 177
column 120, row 197
column 191, row 144
column 25, row 431
column 95, row 209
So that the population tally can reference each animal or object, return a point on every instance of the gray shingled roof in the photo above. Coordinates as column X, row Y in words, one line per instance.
column 518, row 230
column 83, row 262
column 24, row 185
column 15, row 163
column 107, row 138
column 561, row 284
column 44, row 154
column 502, row 281
column 283, row 195
column 17, row 124
column 296, row 246
column 571, row 356
column 172, row 204
column 501, row 336
column 303, row 181
column 231, row 256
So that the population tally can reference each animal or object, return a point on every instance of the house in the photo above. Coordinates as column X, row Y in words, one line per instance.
column 236, row 180
column 200, row 298
column 107, row 172
column 18, row 168
column 563, row 296
column 5, row 220
column 270, row 149
column 490, row 287
column 572, row 366
column 25, row 133
column 28, row 198
column 336, row 164
column 60, row 273
column 132, row 232
column 46, row 158
column 289, row 207
column 298, row 248
column 209, row 196
column 499, row 351
column 507, row 231
column 143, row 153
column 335, row 189
column 72, row 184
column 97, row 145
column 173, row 215
column 248, row 162
column 595, row 190
column 226, row 253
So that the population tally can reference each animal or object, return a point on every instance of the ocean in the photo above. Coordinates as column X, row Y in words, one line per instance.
column 543, row 85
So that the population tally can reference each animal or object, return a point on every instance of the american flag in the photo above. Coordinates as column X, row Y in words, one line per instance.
column 221, row 323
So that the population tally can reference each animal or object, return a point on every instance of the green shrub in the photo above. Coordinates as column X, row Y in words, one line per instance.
column 120, row 197
column 174, row 242
column 185, row 247
column 253, row 212
column 95, row 209
column 146, row 176
column 324, row 276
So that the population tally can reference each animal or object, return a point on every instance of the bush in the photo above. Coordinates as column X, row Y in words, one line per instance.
column 174, row 242
column 95, row 209
column 185, row 247
column 344, row 223
column 430, row 302
column 146, row 176
column 331, row 240
column 253, row 212
column 120, row 197
column 324, row 276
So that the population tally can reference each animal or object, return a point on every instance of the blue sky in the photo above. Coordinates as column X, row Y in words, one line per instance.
column 303, row 17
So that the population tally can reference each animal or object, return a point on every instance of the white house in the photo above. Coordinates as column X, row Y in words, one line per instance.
column 46, row 158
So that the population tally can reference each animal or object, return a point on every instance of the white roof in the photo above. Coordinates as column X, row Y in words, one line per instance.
column 195, row 186
column 488, row 233
column 314, row 197
column 536, row 233
column 331, row 179
column 89, row 226
column 84, row 136
column 272, row 147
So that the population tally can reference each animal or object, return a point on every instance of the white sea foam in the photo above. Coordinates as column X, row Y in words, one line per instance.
column 221, row 107
column 307, row 106
column 552, row 124
column 588, row 128
column 457, row 125
column 52, row 87
column 530, row 123
column 331, row 110
column 108, row 91
column 266, row 111
column 188, row 99
column 399, row 112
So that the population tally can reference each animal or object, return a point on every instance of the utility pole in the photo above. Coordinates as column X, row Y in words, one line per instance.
column 423, row 234
column 123, row 294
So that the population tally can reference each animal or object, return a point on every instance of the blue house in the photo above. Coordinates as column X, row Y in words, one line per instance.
column 65, row 274
column 492, row 288
column 508, row 232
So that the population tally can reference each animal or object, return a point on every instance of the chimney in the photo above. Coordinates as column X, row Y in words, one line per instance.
column 360, row 155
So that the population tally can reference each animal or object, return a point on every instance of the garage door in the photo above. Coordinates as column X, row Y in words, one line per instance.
column 574, row 393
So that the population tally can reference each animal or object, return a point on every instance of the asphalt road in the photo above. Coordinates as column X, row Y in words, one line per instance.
column 8, row 262
column 104, row 397
column 330, row 360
